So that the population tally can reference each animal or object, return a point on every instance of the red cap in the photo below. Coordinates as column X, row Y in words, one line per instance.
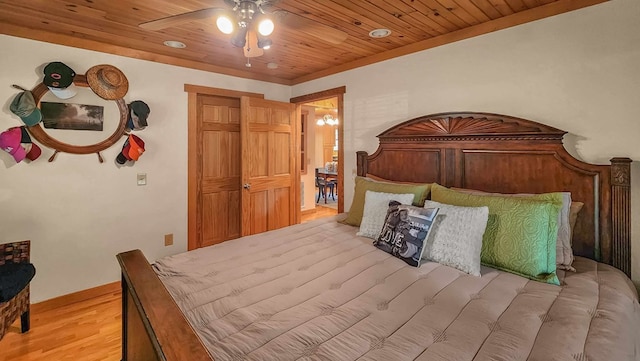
column 136, row 147
column 33, row 150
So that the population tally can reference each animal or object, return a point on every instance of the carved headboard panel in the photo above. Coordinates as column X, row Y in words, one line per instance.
column 498, row 153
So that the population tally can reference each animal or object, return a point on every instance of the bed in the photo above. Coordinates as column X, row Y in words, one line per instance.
column 317, row 291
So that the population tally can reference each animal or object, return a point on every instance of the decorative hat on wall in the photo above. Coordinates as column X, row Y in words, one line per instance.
column 24, row 106
column 107, row 81
column 58, row 77
column 136, row 147
column 17, row 142
column 131, row 150
column 138, row 114
column 32, row 149
column 10, row 142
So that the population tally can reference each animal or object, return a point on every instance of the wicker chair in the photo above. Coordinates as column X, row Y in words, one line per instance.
column 17, row 252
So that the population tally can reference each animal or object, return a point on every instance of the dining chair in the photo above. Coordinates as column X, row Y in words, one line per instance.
column 322, row 184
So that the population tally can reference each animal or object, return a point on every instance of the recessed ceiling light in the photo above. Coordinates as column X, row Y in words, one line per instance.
column 379, row 33
column 272, row 65
column 175, row 44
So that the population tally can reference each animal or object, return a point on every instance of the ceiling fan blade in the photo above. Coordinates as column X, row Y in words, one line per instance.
column 310, row 27
column 174, row 20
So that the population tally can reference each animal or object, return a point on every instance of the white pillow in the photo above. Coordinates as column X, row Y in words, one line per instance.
column 455, row 239
column 376, row 205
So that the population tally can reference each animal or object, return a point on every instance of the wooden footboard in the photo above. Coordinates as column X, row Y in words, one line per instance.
column 153, row 327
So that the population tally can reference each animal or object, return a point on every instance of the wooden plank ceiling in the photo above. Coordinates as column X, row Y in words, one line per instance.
column 112, row 26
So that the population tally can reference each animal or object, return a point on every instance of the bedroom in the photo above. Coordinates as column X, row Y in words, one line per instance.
column 576, row 72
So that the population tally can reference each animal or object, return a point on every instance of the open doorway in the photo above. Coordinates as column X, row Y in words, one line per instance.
column 321, row 153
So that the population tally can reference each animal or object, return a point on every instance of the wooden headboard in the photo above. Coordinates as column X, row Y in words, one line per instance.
column 498, row 153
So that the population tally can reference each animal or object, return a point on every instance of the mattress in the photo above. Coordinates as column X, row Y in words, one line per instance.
column 316, row 291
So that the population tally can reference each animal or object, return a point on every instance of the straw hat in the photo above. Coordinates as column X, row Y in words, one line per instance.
column 107, row 81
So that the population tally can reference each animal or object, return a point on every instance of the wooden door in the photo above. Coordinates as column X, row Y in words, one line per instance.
column 270, row 169
column 219, row 127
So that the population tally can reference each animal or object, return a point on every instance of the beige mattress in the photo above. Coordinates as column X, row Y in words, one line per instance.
column 316, row 291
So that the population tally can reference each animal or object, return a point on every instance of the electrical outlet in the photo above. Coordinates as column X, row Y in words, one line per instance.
column 168, row 239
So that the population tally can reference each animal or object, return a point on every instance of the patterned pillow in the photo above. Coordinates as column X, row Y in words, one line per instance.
column 564, row 252
column 521, row 232
column 362, row 184
column 375, row 211
column 456, row 236
column 405, row 230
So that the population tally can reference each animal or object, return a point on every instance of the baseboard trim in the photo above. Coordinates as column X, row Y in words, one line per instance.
column 307, row 212
column 79, row 296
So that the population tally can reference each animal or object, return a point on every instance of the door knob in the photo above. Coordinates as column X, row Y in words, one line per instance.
column 246, row 186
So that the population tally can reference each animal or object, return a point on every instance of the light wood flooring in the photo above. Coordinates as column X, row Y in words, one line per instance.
column 82, row 331
column 320, row 212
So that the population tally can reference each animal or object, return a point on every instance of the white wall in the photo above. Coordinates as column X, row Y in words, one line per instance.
column 309, row 179
column 318, row 161
column 79, row 213
column 577, row 71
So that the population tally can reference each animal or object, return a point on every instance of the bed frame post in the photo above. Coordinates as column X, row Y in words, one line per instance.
column 621, row 210
column 153, row 327
column 361, row 160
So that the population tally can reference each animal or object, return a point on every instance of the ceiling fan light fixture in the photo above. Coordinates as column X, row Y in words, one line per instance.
column 265, row 27
column 264, row 43
column 248, row 25
column 245, row 10
column 239, row 39
column 225, row 24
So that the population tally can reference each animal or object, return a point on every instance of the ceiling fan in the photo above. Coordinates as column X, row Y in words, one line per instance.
column 248, row 23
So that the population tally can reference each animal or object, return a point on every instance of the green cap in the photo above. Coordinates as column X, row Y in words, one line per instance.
column 24, row 106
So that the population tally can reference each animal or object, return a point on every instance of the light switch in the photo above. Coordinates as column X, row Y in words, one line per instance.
column 142, row 179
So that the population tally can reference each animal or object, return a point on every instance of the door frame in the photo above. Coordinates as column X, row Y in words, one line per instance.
column 321, row 95
column 194, row 154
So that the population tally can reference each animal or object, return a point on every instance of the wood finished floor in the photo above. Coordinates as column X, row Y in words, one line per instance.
column 320, row 212
column 87, row 331
column 83, row 331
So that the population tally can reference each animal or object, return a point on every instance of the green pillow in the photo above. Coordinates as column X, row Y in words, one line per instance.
column 420, row 192
column 521, row 233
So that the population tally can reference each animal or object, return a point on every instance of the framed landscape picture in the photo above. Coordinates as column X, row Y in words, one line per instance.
column 72, row 116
